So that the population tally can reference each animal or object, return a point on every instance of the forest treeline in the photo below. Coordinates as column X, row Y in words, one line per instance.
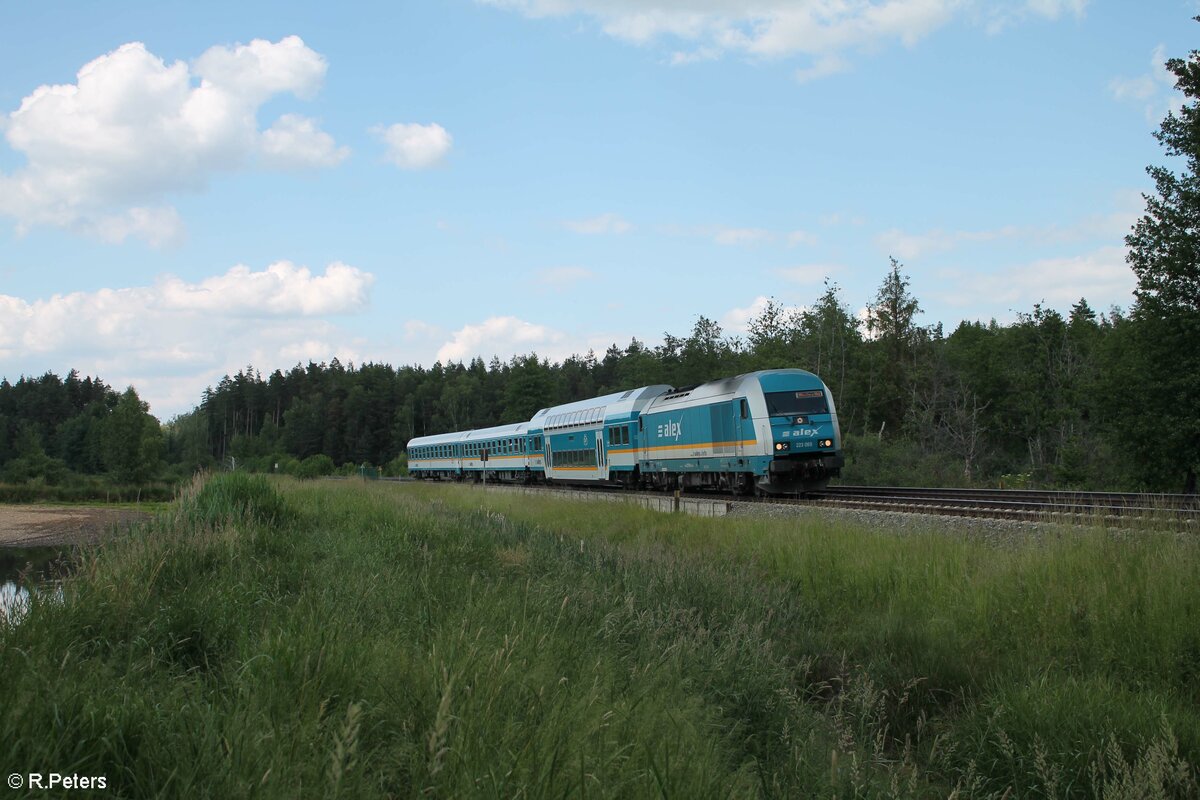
column 1071, row 398
column 1052, row 399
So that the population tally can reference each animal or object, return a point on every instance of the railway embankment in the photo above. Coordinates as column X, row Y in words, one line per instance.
column 284, row 639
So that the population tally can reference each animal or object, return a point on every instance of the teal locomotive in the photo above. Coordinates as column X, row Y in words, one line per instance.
column 770, row 432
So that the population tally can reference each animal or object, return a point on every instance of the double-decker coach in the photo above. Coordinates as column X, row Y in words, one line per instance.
column 595, row 441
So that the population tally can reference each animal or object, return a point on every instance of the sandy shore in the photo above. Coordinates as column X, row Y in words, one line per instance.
column 37, row 526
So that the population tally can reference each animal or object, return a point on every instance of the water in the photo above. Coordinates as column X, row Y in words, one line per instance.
column 30, row 568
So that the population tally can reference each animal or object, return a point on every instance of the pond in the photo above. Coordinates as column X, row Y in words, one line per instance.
column 25, row 569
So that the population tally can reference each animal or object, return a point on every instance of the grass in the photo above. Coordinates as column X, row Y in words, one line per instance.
column 291, row 639
column 87, row 490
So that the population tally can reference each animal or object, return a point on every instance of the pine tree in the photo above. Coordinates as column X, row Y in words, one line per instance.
column 1164, row 252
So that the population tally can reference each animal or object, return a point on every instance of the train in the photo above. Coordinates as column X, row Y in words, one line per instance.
column 771, row 432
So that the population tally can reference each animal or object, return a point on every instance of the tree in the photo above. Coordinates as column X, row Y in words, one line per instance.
column 891, row 324
column 1164, row 252
column 132, row 440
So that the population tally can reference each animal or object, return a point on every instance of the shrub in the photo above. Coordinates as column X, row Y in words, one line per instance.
column 315, row 466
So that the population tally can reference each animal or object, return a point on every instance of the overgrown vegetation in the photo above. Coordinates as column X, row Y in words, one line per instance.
column 363, row 640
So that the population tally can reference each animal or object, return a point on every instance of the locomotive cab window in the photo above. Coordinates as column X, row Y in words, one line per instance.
column 809, row 401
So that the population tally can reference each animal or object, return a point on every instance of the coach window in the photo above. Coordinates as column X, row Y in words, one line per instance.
column 625, row 434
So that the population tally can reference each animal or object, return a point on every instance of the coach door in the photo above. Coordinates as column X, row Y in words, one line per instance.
column 742, row 424
column 601, row 463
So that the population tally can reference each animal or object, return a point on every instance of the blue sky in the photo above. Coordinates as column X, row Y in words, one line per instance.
column 186, row 190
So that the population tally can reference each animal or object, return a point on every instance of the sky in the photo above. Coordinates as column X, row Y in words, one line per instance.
column 189, row 190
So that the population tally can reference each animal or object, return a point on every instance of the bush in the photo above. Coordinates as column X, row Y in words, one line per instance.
column 315, row 467
column 875, row 461
column 397, row 467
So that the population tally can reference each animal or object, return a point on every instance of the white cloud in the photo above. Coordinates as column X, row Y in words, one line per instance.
column 296, row 142
column 737, row 320
column 1053, row 9
column 1155, row 90
column 906, row 246
column 603, row 224
column 821, row 31
column 103, row 153
column 174, row 338
column 503, row 336
column 1102, row 276
column 800, row 237
column 283, row 289
column 414, row 146
column 823, row 67
column 731, row 236
column 160, row 227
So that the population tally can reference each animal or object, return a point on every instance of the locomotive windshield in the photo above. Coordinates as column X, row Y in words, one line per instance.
column 809, row 401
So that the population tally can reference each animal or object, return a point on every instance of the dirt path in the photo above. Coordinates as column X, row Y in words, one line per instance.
column 37, row 526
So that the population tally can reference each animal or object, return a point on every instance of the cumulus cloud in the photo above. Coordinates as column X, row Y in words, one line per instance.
column 282, row 289
column 296, row 142
column 820, row 31
column 172, row 338
column 605, row 223
column 102, row 154
column 499, row 336
column 414, row 146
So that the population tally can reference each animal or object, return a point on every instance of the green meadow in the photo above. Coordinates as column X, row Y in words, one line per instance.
column 316, row 639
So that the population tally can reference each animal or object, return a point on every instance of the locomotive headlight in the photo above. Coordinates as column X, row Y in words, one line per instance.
column 781, row 446
column 826, row 443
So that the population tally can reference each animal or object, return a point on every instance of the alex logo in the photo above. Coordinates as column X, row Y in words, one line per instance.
column 803, row 432
column 671, row 430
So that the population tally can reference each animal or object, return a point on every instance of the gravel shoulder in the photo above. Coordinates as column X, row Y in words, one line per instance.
column 45, row 525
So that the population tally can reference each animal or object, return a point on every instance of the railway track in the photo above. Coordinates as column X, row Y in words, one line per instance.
column 1103, row 508
column 1017, row 503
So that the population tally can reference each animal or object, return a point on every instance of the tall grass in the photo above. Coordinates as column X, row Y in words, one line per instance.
column 293, row 640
